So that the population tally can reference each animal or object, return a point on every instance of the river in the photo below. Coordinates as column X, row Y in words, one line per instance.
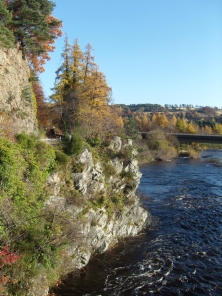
column 182, row 253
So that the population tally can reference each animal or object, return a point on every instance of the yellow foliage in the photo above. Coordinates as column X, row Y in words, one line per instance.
column 144, row 125
column 218, row 129
column 173, row 120
column 191, row 128
column 207, row 130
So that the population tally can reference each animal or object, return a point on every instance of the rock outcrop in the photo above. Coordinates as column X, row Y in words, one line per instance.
column 17, row 110
column 97, row 227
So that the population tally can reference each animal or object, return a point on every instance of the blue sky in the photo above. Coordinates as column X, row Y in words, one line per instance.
column 151, row 51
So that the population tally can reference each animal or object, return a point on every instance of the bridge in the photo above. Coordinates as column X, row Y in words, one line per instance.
column 193, row 138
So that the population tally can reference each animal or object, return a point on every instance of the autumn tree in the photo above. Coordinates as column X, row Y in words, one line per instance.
column 191, row 128
column 81, row 95
column 172, row 123
column 42, row 110
column 181, row 125
column 145, row 123
column 34, row 29
column 206, row 130
column 218, row 129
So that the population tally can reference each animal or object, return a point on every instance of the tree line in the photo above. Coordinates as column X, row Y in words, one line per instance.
column 169, row 123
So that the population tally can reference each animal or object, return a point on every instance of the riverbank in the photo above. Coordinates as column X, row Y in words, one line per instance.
column 63, row 209
column 183, row 253
column 147, row 156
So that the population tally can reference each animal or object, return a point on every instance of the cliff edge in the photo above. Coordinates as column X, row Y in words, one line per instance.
column 105, row 207
column 17, row 101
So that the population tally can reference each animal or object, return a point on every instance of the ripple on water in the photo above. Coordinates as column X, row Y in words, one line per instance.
column 183, row 255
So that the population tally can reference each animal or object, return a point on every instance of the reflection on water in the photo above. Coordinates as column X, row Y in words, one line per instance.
column 183, row 255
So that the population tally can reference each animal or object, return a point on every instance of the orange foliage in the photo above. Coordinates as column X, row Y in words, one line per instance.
column 38, row 61
column 42, row 110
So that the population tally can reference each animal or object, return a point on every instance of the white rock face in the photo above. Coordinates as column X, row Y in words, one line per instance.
column 116, row 144
column 16, row 108
column 95, row 229
column 90, row 181
column 117, row 164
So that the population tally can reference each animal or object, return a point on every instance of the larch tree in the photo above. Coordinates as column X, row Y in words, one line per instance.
column 81, row 93
column 144, row 125
column 179, row 125
column 191, row 128
column 218, row 129
column 172, row 123
column 207, row 130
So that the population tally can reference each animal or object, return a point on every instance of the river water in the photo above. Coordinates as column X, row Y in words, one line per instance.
column 182, row 253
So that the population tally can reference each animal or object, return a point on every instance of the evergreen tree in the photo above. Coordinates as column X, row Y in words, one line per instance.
column 63, row 76
column 82, row 95
column 34, row 28
column 7, row 39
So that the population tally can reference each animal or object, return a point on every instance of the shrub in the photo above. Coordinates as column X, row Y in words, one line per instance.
column 26, row 141
column 78, row 167
column 61, row 158
column 128, row 175
column 156, row 139
column 74, row 145
column 22, row 193
column 126, row 153
column 95, row 142
column 108, row 169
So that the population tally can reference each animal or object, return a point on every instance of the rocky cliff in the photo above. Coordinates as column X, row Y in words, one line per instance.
column 105, row 207
column 17, row 103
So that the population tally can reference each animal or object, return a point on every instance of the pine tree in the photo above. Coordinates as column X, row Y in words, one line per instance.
column 34, row 28
column 7, row 39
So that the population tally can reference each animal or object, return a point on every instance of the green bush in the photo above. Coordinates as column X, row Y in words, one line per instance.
column 108, row 169
column 74, row 145
column 126, row 153
column 128, row 175
column 95, row 142
column 26, row 141
column 61, row 158
column 24, row 226
column 78, row 167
